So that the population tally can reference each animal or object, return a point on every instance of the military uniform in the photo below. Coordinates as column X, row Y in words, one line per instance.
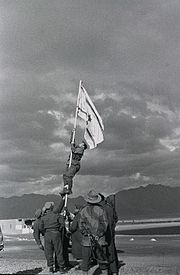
column 70, row 172
column 110, row 236
column 52, row 224
column 93, row 220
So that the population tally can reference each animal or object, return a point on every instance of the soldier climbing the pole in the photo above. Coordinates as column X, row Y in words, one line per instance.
column 93, row 135
column 71, row 170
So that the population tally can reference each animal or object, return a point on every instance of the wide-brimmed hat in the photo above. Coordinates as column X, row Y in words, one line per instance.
column 48, row 205
column 93, row 197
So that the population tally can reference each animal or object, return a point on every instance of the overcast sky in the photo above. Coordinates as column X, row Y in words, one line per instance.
column 128, row 55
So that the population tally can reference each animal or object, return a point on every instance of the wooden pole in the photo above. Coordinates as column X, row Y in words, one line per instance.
column 75, row 122
column 73, row 136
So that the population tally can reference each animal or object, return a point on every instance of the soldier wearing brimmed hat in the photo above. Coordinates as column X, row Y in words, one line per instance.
column 93, row 225
column 52, row 224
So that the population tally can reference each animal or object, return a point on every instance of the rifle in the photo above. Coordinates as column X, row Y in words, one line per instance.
column 97, row 250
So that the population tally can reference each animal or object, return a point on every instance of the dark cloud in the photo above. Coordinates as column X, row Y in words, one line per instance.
column 127, row 54
column 159, row 126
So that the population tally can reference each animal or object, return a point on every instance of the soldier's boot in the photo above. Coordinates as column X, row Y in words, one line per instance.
column 62, row 270
column 51, row 270
column 56, row 269
column 104, row 272
column 66, row 190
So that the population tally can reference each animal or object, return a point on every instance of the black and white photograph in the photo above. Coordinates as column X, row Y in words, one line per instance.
column 90, row 137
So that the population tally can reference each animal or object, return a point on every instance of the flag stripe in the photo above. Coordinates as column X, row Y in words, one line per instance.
column 90, row 101
column 87, row 111
column 94, row 114
column 90, row 105
column 91, row 137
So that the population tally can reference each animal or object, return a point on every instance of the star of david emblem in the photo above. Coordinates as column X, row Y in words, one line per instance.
column 88, row 119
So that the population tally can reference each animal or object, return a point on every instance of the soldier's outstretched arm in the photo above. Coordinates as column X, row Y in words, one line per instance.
column 60, row 206
column 73, row 147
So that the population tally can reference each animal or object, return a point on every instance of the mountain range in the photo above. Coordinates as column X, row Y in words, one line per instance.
column 151, row 201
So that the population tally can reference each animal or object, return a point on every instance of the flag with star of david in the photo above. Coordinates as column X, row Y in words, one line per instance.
column 87, row 111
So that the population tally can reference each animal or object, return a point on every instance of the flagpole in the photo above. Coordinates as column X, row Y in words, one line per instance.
column 75, row 122
column 73, row 136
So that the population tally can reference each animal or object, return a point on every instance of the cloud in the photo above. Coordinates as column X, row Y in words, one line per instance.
column 127, row 54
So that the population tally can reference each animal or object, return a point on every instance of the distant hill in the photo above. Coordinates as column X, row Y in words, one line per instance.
column 152, row 201
column 26, row 205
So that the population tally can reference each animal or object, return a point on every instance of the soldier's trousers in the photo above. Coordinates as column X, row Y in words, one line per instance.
column 69, row 173
column 65, row 242
column 53, row 243
column 87, row 255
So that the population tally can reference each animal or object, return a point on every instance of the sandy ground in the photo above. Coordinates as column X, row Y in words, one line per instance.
column 141, row 255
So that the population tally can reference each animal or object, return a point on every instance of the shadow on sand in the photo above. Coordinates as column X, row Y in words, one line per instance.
column 98, row 271
column 38, row 270
column 35, row 271
column 30, row 271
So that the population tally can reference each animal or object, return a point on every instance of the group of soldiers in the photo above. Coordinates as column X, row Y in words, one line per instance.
column 91, row 230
